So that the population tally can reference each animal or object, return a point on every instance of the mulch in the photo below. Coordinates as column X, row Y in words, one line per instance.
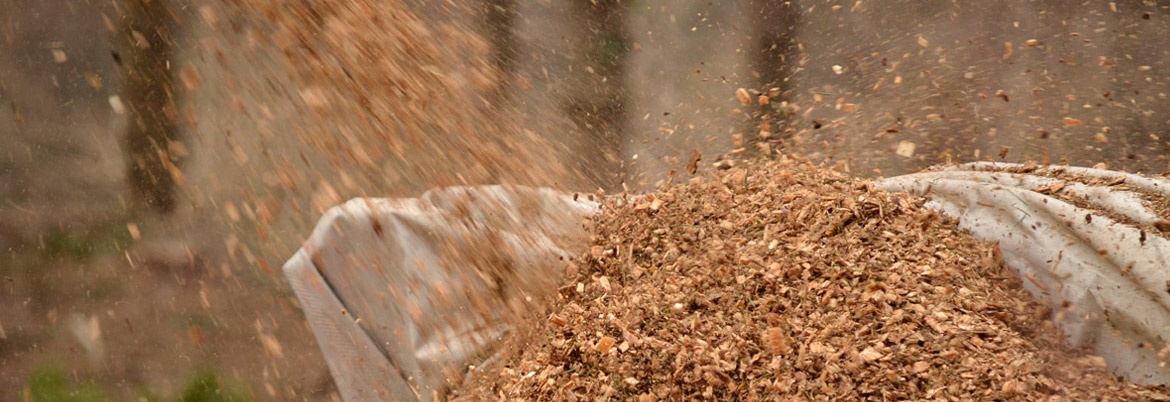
column 782, row 281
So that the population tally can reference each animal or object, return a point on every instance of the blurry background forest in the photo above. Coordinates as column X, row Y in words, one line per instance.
column 160, row 159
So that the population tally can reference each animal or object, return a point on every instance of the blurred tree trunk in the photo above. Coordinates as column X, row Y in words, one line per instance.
column 1128, row 96
column 144, row 44
column 773, row 61
column 598, row 99
column 500, row 18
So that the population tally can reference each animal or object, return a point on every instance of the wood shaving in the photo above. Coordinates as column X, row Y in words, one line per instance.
column 790, row 282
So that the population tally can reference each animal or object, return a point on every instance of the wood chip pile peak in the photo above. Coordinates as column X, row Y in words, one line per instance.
column 778, row 281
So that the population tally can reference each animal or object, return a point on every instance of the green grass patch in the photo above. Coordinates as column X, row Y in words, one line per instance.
column 82, row 244
column 50, row 384
column 204, row 387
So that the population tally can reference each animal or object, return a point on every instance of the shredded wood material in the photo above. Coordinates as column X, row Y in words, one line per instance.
column 781, row 281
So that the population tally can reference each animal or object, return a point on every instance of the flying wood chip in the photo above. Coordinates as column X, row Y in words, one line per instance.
column 693, row 163
column 742, row 95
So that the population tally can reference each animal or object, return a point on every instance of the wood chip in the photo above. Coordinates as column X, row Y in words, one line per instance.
column 742, row 95
column 693, row 162
column 605, row 344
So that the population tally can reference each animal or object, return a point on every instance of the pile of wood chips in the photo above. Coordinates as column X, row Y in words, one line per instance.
column 781, row 281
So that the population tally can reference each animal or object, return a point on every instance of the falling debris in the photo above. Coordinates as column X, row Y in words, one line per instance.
column 742, row 95
column 59, row 56
column 693, row 163
column 905, row 149
column 117, row 105
column 88, row 331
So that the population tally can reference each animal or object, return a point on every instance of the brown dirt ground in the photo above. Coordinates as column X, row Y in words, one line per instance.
column 780, row 281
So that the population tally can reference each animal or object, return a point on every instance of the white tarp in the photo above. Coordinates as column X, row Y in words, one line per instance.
column 1107, row 282
column 404, row 294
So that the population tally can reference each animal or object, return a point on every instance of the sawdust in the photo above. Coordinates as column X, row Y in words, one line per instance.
column 780, row 281
column 409, row 90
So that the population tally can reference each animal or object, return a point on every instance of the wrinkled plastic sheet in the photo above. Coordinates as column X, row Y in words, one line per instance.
column 402, row 294
column 1107, row 282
